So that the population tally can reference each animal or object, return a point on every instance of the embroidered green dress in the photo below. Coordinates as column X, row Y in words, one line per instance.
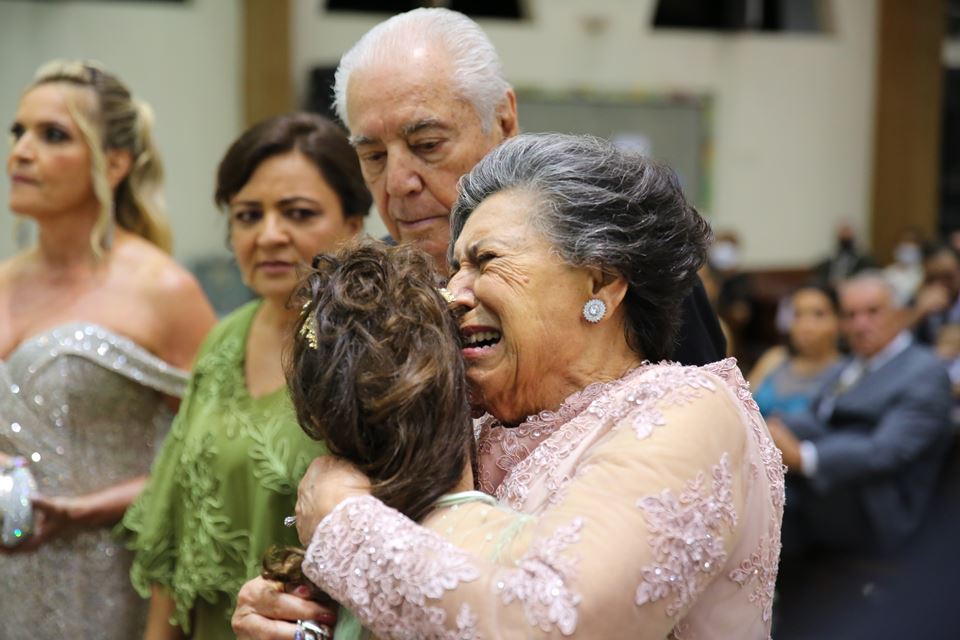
column 225, row 479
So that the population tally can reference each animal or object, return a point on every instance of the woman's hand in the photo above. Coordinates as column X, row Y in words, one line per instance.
column 52, row 516
column 265, row 612
column 327, row 482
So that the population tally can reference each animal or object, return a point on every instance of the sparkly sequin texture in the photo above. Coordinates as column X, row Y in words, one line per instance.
column 87, row 408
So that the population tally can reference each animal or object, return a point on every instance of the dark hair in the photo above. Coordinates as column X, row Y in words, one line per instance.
column 935, row 249
column 606, row 208
column 384, row 385
column 320, row 140
column 824, row 289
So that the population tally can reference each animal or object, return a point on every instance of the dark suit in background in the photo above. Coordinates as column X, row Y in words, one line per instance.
column 879, row 453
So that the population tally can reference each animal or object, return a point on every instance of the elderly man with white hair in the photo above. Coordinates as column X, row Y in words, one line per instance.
column 866, row 456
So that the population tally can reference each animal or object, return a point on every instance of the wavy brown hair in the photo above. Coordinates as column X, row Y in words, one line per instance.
column 384, row 387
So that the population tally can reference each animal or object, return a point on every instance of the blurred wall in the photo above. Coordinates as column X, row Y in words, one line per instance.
column 793, row 117
column 184, row 59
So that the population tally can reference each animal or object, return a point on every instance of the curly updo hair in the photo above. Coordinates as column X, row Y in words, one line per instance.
column 605, row 208
column 384, row 384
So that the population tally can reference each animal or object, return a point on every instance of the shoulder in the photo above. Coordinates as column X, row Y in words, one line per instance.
column 682, row 398
column 233, row 328
column 161, row 277
column 768, row 362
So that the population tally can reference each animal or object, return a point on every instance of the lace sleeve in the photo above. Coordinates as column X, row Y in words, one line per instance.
column 642, row 528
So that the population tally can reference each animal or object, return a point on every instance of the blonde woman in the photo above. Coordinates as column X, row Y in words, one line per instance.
column 98, row 326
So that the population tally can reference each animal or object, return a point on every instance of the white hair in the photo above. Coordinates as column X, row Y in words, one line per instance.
column 477, row 73
column 874, row 277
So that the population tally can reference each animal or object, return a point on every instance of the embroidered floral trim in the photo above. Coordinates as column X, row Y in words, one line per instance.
column 760, row 571
column 514, row 444
column 685, row 534
column 635, row 399
column 386, row 568
column 540, row 582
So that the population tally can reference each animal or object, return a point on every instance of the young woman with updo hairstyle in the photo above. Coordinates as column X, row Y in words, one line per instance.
column 376, row 374
column 227, row 475
column 98, row 326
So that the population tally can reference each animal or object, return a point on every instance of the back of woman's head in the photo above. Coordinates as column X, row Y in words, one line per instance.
column 605, row 208
column 118, row 121
column 376, row 372
column 321, row 141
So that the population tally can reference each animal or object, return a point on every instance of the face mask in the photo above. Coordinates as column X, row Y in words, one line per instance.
column 724, row 256
column 907, row 254
column 845, row 244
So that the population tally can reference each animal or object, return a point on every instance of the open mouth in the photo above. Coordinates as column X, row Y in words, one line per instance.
column 479, row 338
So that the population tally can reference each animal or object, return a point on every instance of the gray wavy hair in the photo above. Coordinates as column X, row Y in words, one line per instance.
column 477, row 72
column 608, row 209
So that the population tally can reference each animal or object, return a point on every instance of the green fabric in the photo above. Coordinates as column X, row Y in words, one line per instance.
column 225, row 479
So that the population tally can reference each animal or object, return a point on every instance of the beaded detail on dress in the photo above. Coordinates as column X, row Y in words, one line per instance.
column 87, row 408
column 686, row 535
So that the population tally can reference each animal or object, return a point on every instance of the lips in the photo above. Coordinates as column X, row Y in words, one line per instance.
column 19, row 179
column 275, row 266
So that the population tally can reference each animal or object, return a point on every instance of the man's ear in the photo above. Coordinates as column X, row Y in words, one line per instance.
column 507, row 115
column 609, row 287
column 119, row 162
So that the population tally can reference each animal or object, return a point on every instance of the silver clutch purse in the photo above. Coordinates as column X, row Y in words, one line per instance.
column 17, row 487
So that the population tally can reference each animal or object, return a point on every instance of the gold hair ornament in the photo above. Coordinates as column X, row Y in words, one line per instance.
column 308, row 330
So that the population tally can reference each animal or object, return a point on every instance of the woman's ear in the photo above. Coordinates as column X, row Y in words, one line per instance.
column 119, row 162
column 609, row 287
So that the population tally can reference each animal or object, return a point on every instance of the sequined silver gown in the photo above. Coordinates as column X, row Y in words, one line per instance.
column 86, row 406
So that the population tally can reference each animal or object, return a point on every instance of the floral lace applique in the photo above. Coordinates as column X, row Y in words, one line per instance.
column 514, row 444
column 686, row 535
column 540, row 582
column 665, row 384
column 386, row 568
column 760, row 571
column 467, row 624
column 635, row 399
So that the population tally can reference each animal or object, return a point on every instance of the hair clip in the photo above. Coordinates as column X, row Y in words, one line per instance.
column 308, row 330
column 446, row 295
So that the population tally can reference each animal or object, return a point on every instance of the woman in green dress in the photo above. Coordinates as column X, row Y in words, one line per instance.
column 228, row 471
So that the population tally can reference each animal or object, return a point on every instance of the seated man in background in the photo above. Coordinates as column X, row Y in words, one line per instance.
column 866, row 457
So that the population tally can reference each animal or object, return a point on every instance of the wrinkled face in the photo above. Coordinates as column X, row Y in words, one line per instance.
column 283, row 216
column 870, row 320
column 815, row 325
column 415, row 138
column 522, row 328
column 49, row 162
column 943, row 268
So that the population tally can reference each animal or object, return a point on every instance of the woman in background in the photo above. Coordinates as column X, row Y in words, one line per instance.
column 97, row 328
column 786, row 378
column 228, row 473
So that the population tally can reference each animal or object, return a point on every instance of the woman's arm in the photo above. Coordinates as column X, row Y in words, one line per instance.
column 55, row 515
column 647, row 522
column 158, row 619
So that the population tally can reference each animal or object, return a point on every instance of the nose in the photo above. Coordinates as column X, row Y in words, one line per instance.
column 402, row 177
column 461, row 286
column 274, row 230
column 22, row 149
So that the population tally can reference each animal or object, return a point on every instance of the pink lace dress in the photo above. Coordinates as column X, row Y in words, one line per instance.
column 648, row 507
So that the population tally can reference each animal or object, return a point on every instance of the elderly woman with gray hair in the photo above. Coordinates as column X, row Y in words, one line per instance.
column 636, row 499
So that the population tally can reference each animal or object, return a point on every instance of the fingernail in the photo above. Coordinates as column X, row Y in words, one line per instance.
column 302, row 592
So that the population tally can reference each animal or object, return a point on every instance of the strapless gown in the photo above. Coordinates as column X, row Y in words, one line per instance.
column 86, row 407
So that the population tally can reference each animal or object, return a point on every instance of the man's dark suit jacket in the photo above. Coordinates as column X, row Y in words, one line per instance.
column 884, row 440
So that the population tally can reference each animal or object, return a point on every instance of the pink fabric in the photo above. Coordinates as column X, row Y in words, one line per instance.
column 653, row 507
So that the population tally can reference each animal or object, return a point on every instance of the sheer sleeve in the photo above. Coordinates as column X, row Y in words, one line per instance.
column 647, row 521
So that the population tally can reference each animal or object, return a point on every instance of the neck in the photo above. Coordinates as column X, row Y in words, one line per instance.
column 818, row 358
column 64, row 242
column 277, row 315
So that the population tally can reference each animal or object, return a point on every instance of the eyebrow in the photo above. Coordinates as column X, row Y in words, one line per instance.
column 282, row 202
column 43, row 123
column 405, row 131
